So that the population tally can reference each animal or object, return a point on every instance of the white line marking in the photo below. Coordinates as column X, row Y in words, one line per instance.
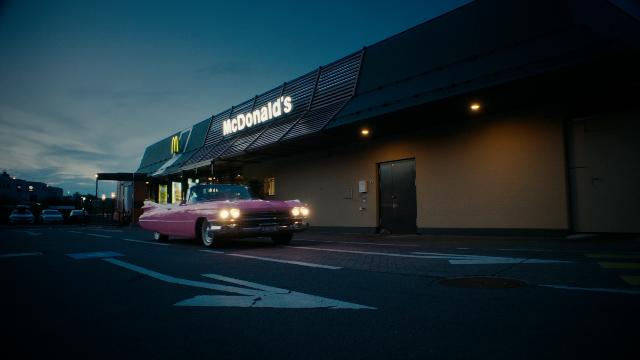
column 104, row 236
column 355, row 242
column 453, row 259
column 212, row 251
column 537, row 250
column 20, row 254
column 633, row 292
column 146, row 242
column 288, row 262
column 360, row 252
column 456, row 259
column 258, row 296
column 75, row 232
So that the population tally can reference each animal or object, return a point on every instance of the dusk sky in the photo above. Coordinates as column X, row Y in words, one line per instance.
column 86, row 86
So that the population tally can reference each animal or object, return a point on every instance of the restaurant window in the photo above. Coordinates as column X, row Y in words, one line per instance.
column 163, row 194
column 177, row 193
column 270, row 187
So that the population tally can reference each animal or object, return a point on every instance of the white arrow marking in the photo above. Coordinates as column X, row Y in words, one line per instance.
column 258, row 296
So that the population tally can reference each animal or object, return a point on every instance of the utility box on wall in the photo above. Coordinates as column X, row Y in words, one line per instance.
column 362, row 186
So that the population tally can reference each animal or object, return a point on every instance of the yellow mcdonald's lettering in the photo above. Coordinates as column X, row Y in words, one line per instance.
column 175, row 145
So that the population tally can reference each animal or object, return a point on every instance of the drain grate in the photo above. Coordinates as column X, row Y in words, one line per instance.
column 482, row 283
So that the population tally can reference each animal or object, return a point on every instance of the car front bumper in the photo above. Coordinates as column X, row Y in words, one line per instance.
column 22, row 220
column 267, row 229
column 52, row 221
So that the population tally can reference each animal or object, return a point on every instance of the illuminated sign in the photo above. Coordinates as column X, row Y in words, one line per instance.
column 268, row 112
column 175, row 145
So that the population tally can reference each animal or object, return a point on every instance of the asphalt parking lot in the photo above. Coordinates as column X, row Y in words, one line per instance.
column 109, row 292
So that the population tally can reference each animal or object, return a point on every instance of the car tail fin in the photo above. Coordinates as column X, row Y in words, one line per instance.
column 149, row 205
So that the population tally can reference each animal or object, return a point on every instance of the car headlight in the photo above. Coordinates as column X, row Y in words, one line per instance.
column 297, row 211
column 226, row 214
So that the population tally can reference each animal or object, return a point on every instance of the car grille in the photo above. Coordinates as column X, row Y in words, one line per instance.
column 265, row 215
column 257, row 219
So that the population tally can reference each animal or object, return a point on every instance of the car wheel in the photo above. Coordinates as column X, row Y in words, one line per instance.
column 282, row 239
column 159, row 237
column 204, row 236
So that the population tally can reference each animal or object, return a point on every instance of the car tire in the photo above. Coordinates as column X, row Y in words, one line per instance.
column 203, row 235
column 159, row 237
column 282, row 239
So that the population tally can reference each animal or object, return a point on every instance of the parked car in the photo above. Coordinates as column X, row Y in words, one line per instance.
column 51, row 216
column 21, row 216
column 77, row 216
column 215, row 213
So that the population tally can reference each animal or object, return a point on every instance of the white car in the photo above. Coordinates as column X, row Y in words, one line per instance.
column 21, row 216
column 51, row 216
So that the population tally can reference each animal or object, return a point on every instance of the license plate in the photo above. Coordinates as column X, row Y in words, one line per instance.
column 270, row 228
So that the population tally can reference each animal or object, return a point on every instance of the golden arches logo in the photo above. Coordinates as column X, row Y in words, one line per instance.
column 175, row 145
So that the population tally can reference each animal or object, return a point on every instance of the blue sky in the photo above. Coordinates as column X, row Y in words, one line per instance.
column 86, row 86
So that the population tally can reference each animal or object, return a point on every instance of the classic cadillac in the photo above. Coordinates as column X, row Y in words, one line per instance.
column 215, row 213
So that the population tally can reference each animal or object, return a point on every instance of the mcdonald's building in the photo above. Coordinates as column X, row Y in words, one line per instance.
column 514, row 118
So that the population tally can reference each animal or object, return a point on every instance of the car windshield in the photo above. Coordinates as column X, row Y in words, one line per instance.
column 51, row 212
column 218, row 192
column 21, row 212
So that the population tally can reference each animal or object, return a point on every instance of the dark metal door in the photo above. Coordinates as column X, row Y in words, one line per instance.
column 398, row 206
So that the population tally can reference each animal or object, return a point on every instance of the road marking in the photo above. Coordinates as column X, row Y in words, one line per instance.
column 619, row 265
column 613, row 256
column 452, row 258
column 146, row 242
column 620, row 291
column 28, row 232
column 359, row 243
column 212, row 251
column 20, row 254
column 252, row 294
column 536, row 250
column 93, row 255
column 75, row 232
column 360, row 252
column 288, row 262
column 456, row 259
column 104, row 236
column 631, row 280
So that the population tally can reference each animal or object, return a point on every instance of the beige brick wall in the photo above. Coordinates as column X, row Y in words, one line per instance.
column 504, row 172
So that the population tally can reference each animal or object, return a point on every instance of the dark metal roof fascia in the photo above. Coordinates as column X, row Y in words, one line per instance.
column 334, row 88
column 313, row 95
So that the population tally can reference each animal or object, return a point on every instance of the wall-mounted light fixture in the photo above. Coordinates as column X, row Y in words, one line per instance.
column 475, row 107
column 365, row 132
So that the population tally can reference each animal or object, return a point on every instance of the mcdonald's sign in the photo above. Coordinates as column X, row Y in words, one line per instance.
column 175, row 145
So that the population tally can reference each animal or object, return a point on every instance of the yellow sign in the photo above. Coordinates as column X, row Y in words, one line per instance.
column 175, row 145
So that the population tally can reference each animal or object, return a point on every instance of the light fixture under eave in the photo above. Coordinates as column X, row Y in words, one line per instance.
column 365, row 132
column 475, row 107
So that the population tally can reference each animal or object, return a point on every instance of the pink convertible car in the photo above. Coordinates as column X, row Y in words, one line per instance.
column 214, row 213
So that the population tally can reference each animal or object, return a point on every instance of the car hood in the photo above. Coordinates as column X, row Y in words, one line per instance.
column 253, row 205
